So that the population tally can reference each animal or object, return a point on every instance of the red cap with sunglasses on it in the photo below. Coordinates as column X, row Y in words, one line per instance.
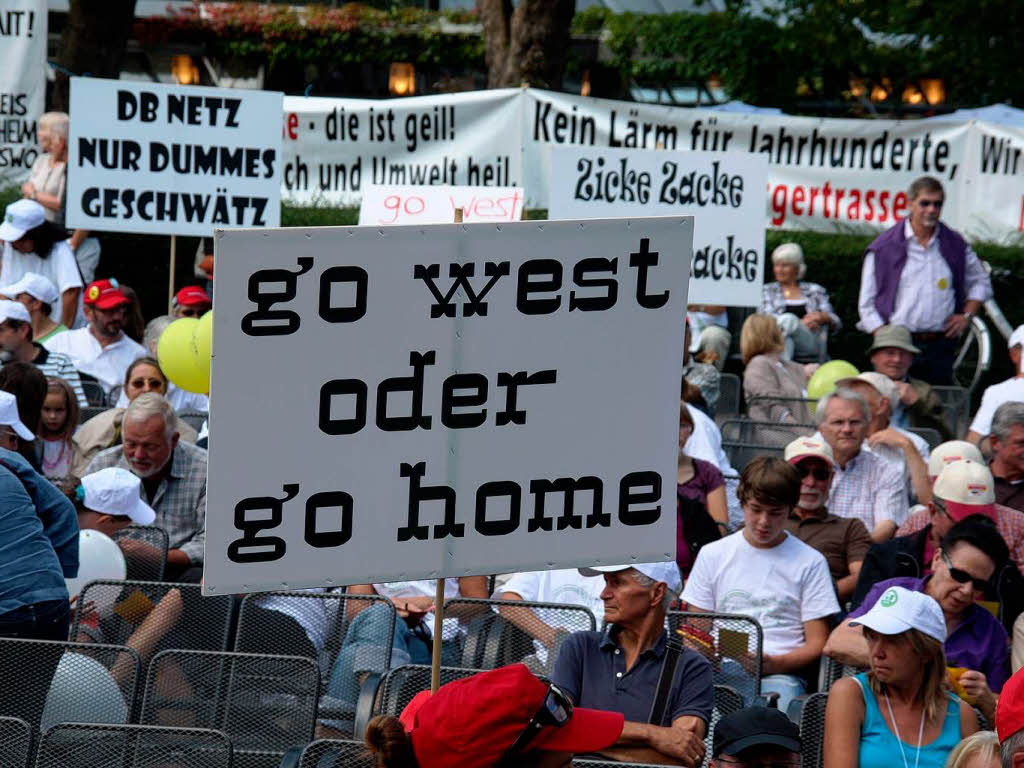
column 105, row 294
column 476, row 721
column 809, row 447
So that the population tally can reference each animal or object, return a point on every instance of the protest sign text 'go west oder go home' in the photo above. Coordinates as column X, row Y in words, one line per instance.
column 438, row 401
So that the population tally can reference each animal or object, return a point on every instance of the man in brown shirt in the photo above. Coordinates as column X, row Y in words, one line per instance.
column 844, row 541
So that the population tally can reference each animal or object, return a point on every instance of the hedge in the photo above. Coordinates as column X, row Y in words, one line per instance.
column 834, row 260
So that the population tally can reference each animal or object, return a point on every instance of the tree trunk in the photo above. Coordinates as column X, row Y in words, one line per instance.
column 93, row 42
column 528, row 44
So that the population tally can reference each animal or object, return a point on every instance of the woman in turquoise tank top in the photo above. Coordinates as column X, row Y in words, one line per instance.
column 899, row 714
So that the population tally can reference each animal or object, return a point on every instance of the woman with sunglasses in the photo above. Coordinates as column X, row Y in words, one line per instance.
column 504, row 717
column 899, row 713
column 976, row 644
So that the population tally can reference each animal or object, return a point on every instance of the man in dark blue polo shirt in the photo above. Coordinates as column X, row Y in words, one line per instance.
column 618, row 669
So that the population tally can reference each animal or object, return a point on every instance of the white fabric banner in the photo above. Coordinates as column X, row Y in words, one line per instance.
column 824, row 174
column 458, row 399
column 22, row 85
column 994, row 187
column 172, row 160
column 724, row 192
column 333, row 147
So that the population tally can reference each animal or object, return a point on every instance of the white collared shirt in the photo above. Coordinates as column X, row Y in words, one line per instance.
column 924, row 297
column 107, row 365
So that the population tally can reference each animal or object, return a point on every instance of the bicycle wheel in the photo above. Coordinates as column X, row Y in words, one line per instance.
column 974, row 355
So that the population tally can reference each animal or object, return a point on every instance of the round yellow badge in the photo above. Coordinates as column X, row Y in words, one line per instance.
column 94, row 293
column 943, row 283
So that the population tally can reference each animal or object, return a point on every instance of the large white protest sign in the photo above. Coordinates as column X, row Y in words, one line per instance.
column 725, row 192
column 173, row 160
column 335, row 147
column 444, row 400
column 22, row 85
column 385, row 206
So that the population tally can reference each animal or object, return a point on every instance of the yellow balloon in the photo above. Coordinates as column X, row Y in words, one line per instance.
column 202, row 341
column 177, row 360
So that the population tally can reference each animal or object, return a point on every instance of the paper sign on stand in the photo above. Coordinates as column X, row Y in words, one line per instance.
column 388, row 205
column 172, row 160
column 444, row 400
column 725, row 191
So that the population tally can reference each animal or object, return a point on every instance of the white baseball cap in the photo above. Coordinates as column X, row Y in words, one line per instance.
column 13, row 310
column 9, row 416
column 667, row 572
column 35, row 285
column 1017, row 337
column 808, row 447
column 899, row 609
column 21, row 216
column 950, row 451
column 885, row 386
column 116, row 491
column 967, row 488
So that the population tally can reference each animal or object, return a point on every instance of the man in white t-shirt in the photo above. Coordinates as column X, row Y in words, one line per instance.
column 1011, row 390
column 764, row 572
column 100, row 349
column 549, row 628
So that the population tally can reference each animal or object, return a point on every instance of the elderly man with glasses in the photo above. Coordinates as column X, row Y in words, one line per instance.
column 924, row 276
column 962, row 570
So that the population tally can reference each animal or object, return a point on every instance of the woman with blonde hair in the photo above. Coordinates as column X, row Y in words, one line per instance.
column 767, row 375
column 900, row 713
column 978, row 751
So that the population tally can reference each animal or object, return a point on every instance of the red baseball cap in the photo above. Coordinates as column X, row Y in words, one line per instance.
column 472, row 722
column 1010, row 708
column 105, row 294
column 192, row 295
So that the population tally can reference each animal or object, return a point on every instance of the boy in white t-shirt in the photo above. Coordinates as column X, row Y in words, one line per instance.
column 763, row 572
column 550, row 627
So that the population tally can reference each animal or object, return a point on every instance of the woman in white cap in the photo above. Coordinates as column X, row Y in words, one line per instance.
column 32, row 244
column 900, row 713
column 802, row 310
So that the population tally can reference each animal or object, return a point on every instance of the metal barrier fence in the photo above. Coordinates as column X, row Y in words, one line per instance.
column 264, row 704
column 145, row 551
column 132, row 746
column 45, row 682
column 501, row 632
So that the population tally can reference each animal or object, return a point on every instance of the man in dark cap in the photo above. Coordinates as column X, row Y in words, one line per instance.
column 756, row 737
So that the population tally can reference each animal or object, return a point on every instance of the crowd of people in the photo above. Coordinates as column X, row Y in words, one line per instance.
column 855, row 545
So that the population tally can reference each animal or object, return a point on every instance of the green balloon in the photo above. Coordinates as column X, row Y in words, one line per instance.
column 824, row 379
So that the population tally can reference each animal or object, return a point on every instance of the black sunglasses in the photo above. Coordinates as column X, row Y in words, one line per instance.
column 817, row 473
column 555, row 710
column 930, row 203
column 962, row 577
